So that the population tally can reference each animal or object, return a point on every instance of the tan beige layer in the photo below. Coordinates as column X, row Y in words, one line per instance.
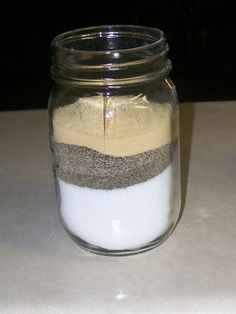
column 117, row 126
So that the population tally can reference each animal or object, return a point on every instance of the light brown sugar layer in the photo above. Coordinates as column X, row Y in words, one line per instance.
column 117, row 126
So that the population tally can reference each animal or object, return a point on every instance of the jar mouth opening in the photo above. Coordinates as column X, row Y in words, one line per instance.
column 107, row 39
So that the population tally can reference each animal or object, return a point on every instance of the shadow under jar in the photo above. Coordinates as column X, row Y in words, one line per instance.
column 114, row 138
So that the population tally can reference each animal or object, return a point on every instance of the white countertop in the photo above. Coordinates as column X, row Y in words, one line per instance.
column 194, row 271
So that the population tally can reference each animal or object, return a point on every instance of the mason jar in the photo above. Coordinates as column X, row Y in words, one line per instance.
column 114, row 138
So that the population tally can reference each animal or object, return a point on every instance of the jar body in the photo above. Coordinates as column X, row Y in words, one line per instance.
column 116, row 163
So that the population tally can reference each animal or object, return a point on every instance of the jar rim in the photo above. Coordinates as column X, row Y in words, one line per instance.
column 155, row 37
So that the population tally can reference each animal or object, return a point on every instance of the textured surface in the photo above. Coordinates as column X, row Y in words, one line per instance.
column 86, row 167
column 42, row 270
column 117, row 126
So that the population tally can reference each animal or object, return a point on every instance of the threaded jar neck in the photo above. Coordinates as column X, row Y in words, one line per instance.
column 110, row 55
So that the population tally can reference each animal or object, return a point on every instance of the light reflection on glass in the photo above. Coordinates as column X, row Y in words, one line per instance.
column 121, row 296
column 116, row 226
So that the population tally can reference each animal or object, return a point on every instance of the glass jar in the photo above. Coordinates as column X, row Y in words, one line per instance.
column 114, row 138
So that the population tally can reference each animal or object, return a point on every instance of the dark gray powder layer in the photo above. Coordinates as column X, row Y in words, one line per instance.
column 89, row 168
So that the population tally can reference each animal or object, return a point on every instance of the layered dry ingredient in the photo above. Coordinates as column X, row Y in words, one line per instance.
column 113, row 160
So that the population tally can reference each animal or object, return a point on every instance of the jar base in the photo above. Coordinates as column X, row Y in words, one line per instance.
column 101, row 251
